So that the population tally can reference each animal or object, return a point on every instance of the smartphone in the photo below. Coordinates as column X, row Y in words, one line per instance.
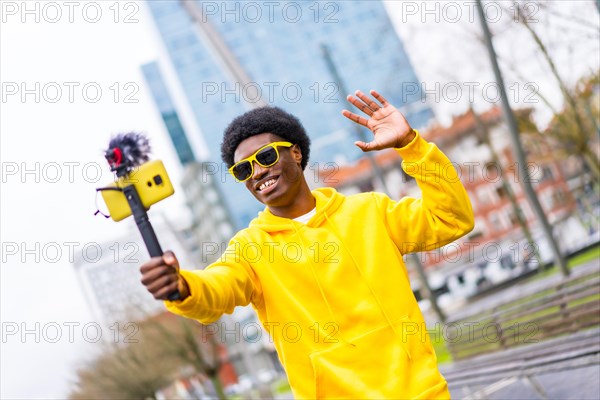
column 151, row 182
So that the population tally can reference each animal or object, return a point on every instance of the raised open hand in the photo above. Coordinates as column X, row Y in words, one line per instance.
column 389, row 127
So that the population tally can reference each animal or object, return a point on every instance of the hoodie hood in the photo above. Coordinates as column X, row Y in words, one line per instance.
column 328, row 201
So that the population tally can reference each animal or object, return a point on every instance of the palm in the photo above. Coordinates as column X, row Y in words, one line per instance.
column 389, row 127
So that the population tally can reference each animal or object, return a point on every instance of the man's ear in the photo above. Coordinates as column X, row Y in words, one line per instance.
column 296, row 153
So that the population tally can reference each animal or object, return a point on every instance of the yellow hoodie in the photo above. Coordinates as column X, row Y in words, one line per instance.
column 334, row 293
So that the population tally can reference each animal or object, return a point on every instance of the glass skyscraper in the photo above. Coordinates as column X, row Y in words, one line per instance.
column 232, row 56
column 168, row 112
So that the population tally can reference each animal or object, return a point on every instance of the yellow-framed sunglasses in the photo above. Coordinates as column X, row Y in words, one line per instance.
column 266, row 156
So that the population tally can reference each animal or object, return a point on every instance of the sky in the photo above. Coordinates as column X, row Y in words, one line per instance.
column 71, row 78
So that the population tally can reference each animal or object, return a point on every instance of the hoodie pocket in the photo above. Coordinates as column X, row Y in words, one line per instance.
column 382, row 363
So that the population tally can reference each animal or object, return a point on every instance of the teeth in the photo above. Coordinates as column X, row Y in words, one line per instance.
column 266, row 184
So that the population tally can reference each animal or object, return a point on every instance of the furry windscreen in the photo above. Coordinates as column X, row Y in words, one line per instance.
column 134, row 146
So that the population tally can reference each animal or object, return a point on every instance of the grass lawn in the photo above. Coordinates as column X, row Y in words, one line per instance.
column 573, row 262
column 439, row 345
column 591, row 254
column 280, row 387
column 437, row 338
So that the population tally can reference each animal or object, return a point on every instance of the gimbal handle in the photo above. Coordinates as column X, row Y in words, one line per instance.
column 143, row 223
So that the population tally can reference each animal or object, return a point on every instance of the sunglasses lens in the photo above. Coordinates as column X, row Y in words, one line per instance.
column 267, row 157
column 242, row 171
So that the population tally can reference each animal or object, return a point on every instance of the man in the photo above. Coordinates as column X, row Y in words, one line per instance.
column 323, row 271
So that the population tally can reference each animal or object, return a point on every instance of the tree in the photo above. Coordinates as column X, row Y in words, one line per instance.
column 573, row 129
column 163, row 347
column 134, row 370
column 190, row 343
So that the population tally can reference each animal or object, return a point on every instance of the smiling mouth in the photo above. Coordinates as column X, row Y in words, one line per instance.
column 267, row 184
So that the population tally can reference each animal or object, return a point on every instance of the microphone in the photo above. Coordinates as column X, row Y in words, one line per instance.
column 127, row 151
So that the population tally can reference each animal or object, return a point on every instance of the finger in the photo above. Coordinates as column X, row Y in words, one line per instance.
column 372, row 105
column 355, row 118
column 363, row 146
column 156, row 286
column 359, row 104
column 379, row 98
column 170, row 259
column 163, row 294
column 368, row 146
column 151, row 264
column 156, row 273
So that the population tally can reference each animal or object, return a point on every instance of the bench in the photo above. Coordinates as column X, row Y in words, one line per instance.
column 568, row 306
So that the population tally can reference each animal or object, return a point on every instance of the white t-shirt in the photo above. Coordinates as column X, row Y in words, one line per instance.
column 306, row 217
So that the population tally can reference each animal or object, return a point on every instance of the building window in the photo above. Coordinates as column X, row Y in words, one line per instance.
column 546, row 199
column 559, row 198
column 547, row 174
column 501, row 192
column 493, row 172
column 515, row 186
column 480, row 224
column 484, row 196
column 480, row 227
column 475, row 235
column 512, row 216
column 495, row 221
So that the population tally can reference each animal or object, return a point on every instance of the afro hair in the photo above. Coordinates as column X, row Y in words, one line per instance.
column 264, row 120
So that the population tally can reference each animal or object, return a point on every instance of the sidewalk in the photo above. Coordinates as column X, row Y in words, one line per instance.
column 574, row 384
column 566, row 367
